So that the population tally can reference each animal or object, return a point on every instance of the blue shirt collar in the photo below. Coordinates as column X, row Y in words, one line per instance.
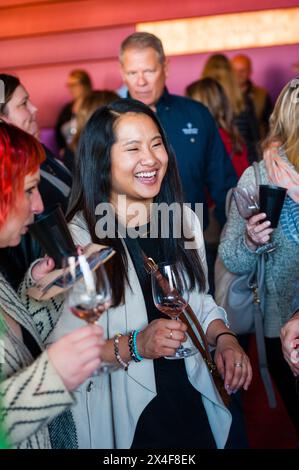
column 164, row 100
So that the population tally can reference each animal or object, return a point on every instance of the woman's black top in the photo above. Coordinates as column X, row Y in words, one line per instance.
column 176, row 417
column 30, row 343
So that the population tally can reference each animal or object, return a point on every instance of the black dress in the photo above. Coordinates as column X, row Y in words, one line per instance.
column 176, row 417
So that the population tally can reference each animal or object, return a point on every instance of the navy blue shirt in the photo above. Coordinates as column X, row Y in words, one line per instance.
column 202, row 159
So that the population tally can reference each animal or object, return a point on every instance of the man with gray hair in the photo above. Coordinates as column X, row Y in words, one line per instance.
column 191, row 130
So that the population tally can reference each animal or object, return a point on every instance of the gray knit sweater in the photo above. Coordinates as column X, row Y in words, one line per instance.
column 282, row 266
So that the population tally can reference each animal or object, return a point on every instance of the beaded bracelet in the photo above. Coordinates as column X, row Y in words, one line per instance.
column 225, row 333
column 133, row 346
column 124, row 364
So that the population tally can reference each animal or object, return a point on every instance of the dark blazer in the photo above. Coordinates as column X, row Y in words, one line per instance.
column 202, row 159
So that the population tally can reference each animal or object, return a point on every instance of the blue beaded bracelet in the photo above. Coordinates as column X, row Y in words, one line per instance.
column 134, row 341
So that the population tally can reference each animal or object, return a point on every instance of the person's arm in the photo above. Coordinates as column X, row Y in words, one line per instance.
column 234, row 250
column 220, row 174
column 33, row 396
column 159, row 338
column 45, row 314
column 289, row 336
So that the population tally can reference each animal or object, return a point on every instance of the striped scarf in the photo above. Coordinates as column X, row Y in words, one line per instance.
column 280, row 171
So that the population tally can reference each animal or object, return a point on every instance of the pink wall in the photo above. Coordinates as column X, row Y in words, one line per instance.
column 268, row 71
column 42, row 40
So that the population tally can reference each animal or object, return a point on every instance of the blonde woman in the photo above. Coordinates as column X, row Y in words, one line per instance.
column 209, row 92
column 219, row 67
column 244, row 240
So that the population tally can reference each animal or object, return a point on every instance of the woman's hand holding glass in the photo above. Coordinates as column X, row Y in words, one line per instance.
column 90, row 294
column 161, row 338
column 170, row 291
column 258, row 231
column 77, row 355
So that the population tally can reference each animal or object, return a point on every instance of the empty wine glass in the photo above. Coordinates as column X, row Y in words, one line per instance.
column 90, row 294
column 171, row 295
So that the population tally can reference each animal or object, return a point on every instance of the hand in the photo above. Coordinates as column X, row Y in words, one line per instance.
column 258, row 232
column 233, row 364
column 77, row 355
column 161, row 338
column 289, row 338
column 43, row 267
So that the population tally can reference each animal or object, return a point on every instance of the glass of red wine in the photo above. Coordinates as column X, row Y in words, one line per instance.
column 171, row 298
column 90, row 294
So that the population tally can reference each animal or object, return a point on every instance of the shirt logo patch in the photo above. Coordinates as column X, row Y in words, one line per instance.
column 189, row 129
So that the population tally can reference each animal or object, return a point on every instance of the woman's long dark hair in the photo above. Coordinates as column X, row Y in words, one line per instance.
column 92, row 185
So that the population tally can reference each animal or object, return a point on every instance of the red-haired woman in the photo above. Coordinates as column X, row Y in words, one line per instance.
column 35, row 383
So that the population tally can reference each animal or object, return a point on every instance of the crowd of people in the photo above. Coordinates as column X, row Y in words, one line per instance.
column 150, row 147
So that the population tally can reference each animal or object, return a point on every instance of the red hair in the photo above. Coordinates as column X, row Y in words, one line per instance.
column 20, row 155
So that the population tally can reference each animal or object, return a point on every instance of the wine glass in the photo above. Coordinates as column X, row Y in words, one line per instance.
column 271, row 203
column 90, row 294
column 171, row 295
column 247, row 200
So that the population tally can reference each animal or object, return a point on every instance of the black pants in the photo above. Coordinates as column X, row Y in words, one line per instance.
column 284, row 379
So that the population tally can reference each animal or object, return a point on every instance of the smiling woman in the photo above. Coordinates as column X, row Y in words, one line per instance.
column 138, row 159
column 124, row 156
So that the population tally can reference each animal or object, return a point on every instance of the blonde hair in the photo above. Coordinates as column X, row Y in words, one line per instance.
column 284, row 122
column 219, row 67
column 210, row 93
column 91, row 102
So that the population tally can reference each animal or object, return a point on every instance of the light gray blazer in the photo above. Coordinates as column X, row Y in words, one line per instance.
column 108, row 408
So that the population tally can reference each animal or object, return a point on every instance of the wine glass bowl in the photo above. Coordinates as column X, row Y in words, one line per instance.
column 90, row 294
column 247, row 201
column 170, row 291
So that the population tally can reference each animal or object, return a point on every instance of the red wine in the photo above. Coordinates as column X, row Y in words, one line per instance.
column 90, row 315
column 172, row 309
